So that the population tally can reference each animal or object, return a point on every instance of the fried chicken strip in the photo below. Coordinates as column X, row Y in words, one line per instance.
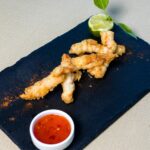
column 99, row 71
column 92, row 46
column 69, row 86
column 85, row 46
column 107, row 39
column 87, row 61
column 42, row 87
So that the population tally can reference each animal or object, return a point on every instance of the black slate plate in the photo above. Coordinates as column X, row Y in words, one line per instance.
column 95, row 108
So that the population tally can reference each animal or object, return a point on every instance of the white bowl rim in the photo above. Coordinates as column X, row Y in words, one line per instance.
column 44, row 113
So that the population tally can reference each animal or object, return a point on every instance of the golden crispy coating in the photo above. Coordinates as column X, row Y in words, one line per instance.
column 92, row 46
column 120, row 50
column 77, row 76
column 42, row 87
column 65, row 67
column 85, row 46
column 69, row 86
column 107, row 39
column 87, row 61
column 98, row 72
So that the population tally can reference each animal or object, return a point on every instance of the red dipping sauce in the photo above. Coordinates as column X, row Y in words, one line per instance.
column 52, row 129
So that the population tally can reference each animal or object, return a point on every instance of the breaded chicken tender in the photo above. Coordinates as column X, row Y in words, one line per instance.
column 88, row 46
column 92, row 46
column 87, row 61
column 69, row 86
column 100, row 70
column 107, row 39
column 42, row 87
column 113, row 52
column 85, row 46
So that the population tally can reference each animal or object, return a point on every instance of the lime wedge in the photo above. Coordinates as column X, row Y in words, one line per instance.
column 100, row 22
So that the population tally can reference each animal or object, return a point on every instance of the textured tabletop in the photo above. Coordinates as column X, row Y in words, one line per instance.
column 27, row 25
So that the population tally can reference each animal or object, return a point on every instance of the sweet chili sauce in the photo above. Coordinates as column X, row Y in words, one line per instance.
column 52, row 129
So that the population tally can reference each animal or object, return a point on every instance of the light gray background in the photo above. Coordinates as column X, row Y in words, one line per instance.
column 26, row 25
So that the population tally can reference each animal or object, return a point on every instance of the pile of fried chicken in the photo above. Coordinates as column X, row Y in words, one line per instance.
column 92, row 56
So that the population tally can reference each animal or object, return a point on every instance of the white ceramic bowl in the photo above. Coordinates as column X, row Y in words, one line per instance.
column 59, row 146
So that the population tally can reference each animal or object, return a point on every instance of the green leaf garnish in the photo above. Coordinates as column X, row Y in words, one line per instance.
column 127, row 29
column 102, row 4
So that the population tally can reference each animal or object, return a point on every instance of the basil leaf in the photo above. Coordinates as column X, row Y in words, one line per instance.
column 127, row 29
column 102, row 4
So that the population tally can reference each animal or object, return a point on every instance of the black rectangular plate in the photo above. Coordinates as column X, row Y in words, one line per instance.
column 95, row 108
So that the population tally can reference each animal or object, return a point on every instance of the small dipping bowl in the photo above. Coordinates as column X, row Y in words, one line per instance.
column 58, row 146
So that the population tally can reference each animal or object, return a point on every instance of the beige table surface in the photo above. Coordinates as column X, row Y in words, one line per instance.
column 26, row 25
